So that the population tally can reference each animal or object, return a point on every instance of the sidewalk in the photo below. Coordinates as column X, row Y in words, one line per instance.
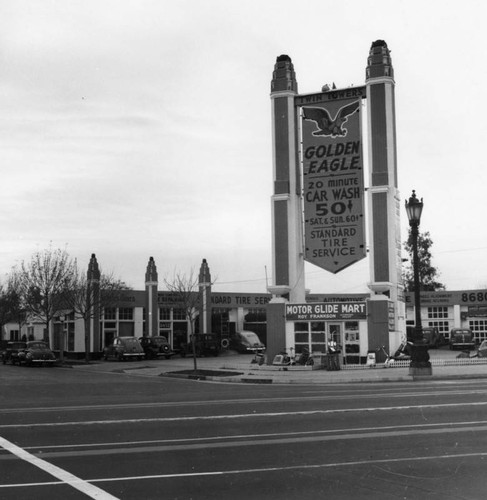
column 235, row 368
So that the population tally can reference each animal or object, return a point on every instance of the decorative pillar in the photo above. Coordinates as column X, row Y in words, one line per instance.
column 151, row 308
column 204, row 285
column 93, row 288
column 384, row 199
column 287, row 229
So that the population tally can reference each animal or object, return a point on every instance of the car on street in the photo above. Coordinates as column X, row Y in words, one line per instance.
column 124, row 348
column 432, row 337
column 462, row 338
column 205, row 344
column 11, row 352
column 482, row 350
column 246, row 342
column 37, row 353
column 155, row 347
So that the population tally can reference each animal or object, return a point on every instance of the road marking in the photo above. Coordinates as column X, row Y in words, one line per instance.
column 237, row 442
column 472, row 425
column 320, row 397
column 241, row 415
column 65, row 477
column 355, row 463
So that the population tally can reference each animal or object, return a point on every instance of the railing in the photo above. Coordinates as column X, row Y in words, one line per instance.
column 434, row 362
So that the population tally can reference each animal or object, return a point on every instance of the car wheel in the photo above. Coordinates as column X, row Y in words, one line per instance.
column 120, row 357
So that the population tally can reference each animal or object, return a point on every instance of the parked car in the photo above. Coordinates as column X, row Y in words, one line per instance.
column 11, row 352
column 246, row 342
column 432, row 337
column 36, row 352
column 462, row 338
column 482, row 350
column 123, row 348
column 155, row 347
column 205, row 344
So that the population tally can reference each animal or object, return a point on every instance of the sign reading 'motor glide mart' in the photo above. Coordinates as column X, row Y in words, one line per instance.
column 326, row 311
column 333, row 179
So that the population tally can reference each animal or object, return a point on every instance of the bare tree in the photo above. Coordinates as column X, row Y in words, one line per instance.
column 87, row 297
column 6, row 304
column 185, row 291
column 42, row 281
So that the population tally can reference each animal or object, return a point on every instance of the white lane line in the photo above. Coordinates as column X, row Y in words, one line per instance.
column 176, row 404
column 243, row 415
column 211, row 439
column 356, row 463
column 65, row 477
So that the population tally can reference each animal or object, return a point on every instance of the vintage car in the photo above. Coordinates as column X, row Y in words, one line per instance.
column 482, row 350
column 11, row 352
column 36, row 352
column 155, row 347
column 204, row 344
column 432, row 337
column 246, row 342
column 462, row 338
column 123, row 348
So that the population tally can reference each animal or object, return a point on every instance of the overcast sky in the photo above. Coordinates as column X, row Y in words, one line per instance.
column 142, row 128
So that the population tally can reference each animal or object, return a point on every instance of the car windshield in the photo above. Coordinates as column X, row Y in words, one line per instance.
column 159, row 340
column 16, row 345
column 39, row 346
column 251, row 337
column 130, row 341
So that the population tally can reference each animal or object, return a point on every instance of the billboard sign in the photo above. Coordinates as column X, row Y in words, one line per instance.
column 333, row 182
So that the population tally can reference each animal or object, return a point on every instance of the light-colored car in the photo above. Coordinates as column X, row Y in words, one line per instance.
column 482, row 350
column 123, row 348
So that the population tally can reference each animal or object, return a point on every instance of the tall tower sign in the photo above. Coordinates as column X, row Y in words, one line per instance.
column 333, row 178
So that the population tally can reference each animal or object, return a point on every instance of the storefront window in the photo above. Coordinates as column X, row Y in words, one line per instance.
column 110, row 313
column 352, row 342
column 179, row 314
column 310, row 335
column 164, row 313
column 126, row 313
column 443, row 327
column 479, row 328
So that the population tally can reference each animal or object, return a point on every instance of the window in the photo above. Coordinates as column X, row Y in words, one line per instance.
column 443, row 327
column 110, row 313
column 164, row 313
column 179, row 314
column 310, row 335
column 126, row 313
column 479, row 329
column 437, row 312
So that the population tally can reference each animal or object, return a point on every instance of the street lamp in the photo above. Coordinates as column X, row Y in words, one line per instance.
column 420, row 363
column 62, row 318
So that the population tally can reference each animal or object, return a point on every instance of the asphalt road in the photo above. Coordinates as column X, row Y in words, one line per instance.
column 67, row 434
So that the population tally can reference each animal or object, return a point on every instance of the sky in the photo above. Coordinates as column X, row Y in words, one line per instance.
column 142, row 128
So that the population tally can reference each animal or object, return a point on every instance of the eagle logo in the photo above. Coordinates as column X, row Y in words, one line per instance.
column 328, row 126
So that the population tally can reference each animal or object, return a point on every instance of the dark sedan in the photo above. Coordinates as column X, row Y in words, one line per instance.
column 36, row 352
column 155, row 347
column 11, row 352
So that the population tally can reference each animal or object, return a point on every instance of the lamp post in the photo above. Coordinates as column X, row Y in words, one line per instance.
column 61, row 339
column 420, row 363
